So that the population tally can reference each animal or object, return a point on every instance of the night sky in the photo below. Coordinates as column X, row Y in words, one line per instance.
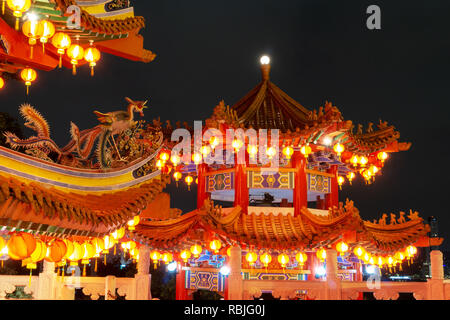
column 320, row 50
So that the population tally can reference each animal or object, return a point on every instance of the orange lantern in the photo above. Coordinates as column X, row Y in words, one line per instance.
column 33, row 30
column 265, row 259
column 159, row 164
column 177, row 176
column 76, row 255
column 197, row 158
column 2, row 83
column 380, row 261
column 283, row 259
column 301, row 259
column 37, row 255
column 62, row 42
column 108, row 243
column 338, row 148
column 2, row 244
column 251, row 258
column 164, row 156
column 340, row 181
column 48, row 30
column 75, row 53
column 363, row 161
column 196, row 250
column 354, row 160
column 133, row 223
column 350, row 176
column 382, row 156
column 117, row 235
column 288, row 152
column 155, row 256
column 28, row 75
column 237, row 144
column 359, row 251
column 56, row 251
column 229, row 251
column 306, row 150
column 321, row 254
column 271, row 152
column 189, row 180
column 92, row 55
column 342, row 247
column 88, row 252
column 175, row 159
column 215, row 245
column 21, row 245
column 18, row 7
column 366, row 257
column 399, row 256
column 185, row 255
column 252, row 150
column 167, row 257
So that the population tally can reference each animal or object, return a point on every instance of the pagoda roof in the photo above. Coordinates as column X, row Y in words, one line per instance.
column 277, row 231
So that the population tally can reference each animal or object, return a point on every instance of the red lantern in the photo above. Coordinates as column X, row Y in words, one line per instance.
column 21, row 245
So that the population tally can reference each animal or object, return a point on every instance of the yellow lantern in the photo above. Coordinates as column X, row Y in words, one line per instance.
column 175, row 159
column 159, row 164
column 88, row 253
column 366, row 257
column 189, row 180
column 18, row 7
column 215, row 245
column 306, row 150
column 321, row 254
column 133, row 223
column 410, row 251
column 399, row 256
column 340, row 181
column 33, row 30
column 288, row 152
column 251, row 258
column 76, row 255
column 350, row 176
column 265, row 259
column 38, row 254
column 338, row 148
column 164, row 156
column 363, row 161
column 48, row 30
column 373, row 170
column 205, row 150
column 380, row 261
column 390, row 261
column 354, row 160
column 358, row 251
column 28, row 75
column 75, row 53
column 167, row 257
column 236, row 144
column 92, row 55
column 271, row 152
column 108, row 243
column 2, row 83
column 283, row 259
column 62, row 42
column 301, row 258
column 185, row 255
column 155, row 256
column 2, row 245
column 197, row 158
column 252, row 150
column 229, row 251
column 342, row 247
column 117, row 235
column 196, row 250
column 382, row 156
column 214, row 142
column 177, row 176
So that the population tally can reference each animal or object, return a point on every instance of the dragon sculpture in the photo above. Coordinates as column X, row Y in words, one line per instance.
column 120, row 139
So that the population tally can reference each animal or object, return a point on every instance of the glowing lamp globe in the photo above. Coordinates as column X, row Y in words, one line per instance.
column 373, row 170
column 306, row 150
column 196, row 250
column 358, row 251
column 342, row 247
column 18, row 7
column 164, row 156
column 350, row 176
column 2, row 244
column 159, row 164
column 108, row 243
column 251, row 258
column 2, row 83
column 167, row 257
column 56, row 250
column 340, row 181
column 38, row 254
column 339, row 148
column 185, row 255
column 88, row 252
column 283, row 259
column 75, row 53
column 32, row 29
column 380, row 261
column 354, row 160
column 205, row 150
column 271, row 152
column 61, row 41
column 301, row 259
column 197, row 158
column 288, row 152
column 175, row 159
column 118, row 234
column 252, row 150
column 155, row 256
column 382, row 156
column 189, row 181
column 237, row 144
column 214, row 142
column 21, row 245
column 92, row 55
column 265, row 259
column 48, row 30
column 70, row 247
column 264, row 60
column 366, row 257
column 363, row 161
column 76, row 255
column 215, row 246
column 28, row 75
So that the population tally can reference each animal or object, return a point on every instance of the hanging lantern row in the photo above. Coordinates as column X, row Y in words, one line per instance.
column 388, row 261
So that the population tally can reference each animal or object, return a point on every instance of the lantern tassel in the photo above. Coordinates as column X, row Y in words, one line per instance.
column 92, row 71
column 17, row 24
column 104, row 259
column 401, row 267
column 60, row 61
column 29, row 280
column 31, row 52
column 28, row 87
column 2, row 264
column 84, row 270
column 115, row 249
column 95, row 267
column 74, row 70
column 3, row 6
column 43, row 48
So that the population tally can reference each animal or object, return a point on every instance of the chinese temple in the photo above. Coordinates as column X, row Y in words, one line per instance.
column 266, row 171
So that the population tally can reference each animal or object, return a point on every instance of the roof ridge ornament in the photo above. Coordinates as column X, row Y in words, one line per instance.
column 265, row 67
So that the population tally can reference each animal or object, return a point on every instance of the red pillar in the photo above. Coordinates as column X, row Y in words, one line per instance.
column 300, row 183
column 240, row 187
column 181, row 292
column 225, row 291
column 201, row 186
column 332, row 199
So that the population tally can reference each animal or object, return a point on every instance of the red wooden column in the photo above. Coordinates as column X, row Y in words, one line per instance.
column 201, row 186
column 181, row 291
column 300, row 183
column 332, row 199
column 240, row 187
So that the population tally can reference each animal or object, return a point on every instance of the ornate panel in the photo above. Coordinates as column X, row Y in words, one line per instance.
column 116, row 5
column 270, row 179
column 205, row 280
column 318, row 183
column 220, row 181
